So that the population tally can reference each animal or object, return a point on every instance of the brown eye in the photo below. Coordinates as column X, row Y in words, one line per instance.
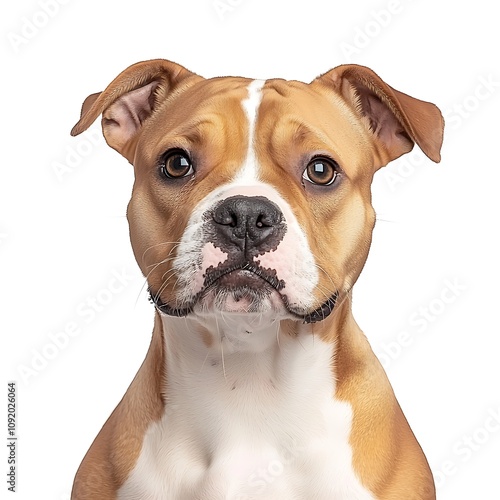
column 176, row 164
column 321, row 171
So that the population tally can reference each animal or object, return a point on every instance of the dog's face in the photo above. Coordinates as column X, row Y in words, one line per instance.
column 253, row 202
column 254, row 197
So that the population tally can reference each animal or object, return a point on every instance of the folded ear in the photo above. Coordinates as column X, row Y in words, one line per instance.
column 396, row 120
column 129, row 100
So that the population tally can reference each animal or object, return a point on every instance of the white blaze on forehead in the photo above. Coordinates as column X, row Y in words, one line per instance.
column 251, row 105
column 292, row 260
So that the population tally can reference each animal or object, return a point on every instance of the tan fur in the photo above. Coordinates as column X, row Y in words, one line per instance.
column 116, row 448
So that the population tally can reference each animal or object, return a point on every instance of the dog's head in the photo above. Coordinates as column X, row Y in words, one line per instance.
column 254, row 196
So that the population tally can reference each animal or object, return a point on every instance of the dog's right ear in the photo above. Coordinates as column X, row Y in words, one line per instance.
column 129, row 100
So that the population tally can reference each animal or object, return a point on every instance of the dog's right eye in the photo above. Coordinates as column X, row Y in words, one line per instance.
column 176, row 164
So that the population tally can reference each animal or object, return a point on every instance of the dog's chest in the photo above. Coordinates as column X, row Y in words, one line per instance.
column 263, row 426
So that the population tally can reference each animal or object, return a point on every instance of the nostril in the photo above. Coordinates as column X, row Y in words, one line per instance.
column 232, row 219
column 262, row 220
column 225, row 217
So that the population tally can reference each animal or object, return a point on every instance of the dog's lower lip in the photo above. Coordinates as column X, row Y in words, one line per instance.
column 251, row 276
column 315, row 316
column 238, row 279
column 248, row 277
column 166, row 308
column 242, row 274
column 322, row 311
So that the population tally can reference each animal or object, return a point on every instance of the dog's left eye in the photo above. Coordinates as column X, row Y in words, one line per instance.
column 321, row 171
column 176, row 164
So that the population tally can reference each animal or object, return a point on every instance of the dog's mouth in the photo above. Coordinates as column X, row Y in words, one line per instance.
column 248, row 285
column 246, row 274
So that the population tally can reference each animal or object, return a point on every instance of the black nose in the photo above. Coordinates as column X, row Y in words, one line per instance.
column 252, row 224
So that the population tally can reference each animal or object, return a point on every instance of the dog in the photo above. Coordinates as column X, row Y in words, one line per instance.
column 251, row 219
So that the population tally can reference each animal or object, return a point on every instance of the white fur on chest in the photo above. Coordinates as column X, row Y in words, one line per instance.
column 251, row 417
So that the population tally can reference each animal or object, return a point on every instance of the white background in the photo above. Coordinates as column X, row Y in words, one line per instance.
column 64, row 236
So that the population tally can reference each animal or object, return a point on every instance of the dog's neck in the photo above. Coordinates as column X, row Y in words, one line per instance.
column 212, row 356
column 231, row 406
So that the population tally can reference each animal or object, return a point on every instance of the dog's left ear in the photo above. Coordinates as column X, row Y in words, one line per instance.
column 396, row 120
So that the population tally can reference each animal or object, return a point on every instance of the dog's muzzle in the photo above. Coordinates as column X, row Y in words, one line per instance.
column 244, row 228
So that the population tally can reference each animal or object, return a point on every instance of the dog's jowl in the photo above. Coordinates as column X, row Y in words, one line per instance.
column 251, row 219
